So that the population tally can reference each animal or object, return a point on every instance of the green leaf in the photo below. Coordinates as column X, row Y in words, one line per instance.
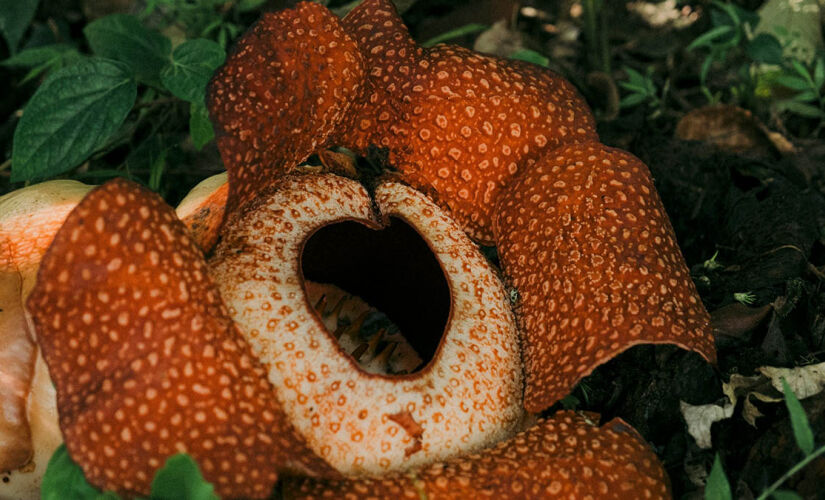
column 765, row 48
column 41, row 59
column 632, row 100
column 706, row 39
column 786, row 495
column 634, row 77
column 30, row 58
column 15, row 17
column 638, row 89
column 64, row 480
column 717, row 487
column 247, row 5
column 801, row 109
column 460, row 31
column 180, row 479
column 192, row 65
column 530, row 56
column 200, row 128
column 806, row 96
column 799, row 421
column 802, row 71
column 819, row 73
column 75, row 110
column 793, row 82
column 706, row 64
column 123, row 38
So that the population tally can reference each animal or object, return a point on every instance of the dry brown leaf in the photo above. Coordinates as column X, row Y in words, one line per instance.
column 805, row 381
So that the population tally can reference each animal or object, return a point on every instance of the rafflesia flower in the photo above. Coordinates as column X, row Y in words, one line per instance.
column 258, row 361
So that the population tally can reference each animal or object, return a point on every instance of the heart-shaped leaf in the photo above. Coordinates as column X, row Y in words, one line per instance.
column 193, row 63
column 75, row 110
column 123, row 38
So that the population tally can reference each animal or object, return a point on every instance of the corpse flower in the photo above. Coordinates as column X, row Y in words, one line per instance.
column 255, row 356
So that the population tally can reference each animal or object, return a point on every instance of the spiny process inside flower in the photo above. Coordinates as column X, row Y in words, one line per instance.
column 468, row 394
column 393, row 270
column 362, row 331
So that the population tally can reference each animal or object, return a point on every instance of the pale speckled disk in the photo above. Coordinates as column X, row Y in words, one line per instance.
column 144, row 358
column 565, row 456
column 467, row 398
column 588, row 246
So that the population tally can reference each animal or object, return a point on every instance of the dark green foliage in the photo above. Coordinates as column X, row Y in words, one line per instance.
column 70, row 116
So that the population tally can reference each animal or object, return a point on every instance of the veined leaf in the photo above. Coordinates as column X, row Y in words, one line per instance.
column 29, row 58
column 72, row 114
column 45, row 58
column 200, row 128
column 793, row 82
column 193, row 63
column 802, row 109
column 123, row 38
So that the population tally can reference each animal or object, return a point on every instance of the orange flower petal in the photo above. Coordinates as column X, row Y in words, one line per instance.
column 586, row 242
column 145, row 360
column 565, row 456
column 283, row 90
column 203, row 209
column 454, row 121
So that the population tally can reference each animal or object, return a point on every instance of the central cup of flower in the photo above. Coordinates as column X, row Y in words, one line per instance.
column 468, row 393
column 369, row 285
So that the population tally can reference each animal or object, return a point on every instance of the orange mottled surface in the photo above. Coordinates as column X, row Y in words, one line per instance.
column 455, row 122
column 565, row 456
column 29, row 217
column 588, row 246
column 284, row 89
column 203, row 209
column 145, row 359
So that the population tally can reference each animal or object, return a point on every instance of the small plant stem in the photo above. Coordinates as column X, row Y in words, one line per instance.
column 793, row 470
column 596, row 33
